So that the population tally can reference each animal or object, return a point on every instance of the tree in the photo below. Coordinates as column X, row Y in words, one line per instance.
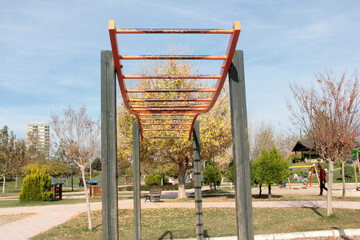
column 215, row 127
column 7, row 153
column 33, row 152
column 36, row 185
column 79, row 141
column 230, row 172
column 262, row 138
column 96, row 165
column 271, row 168
column 150, row 180
column 19, row 159
column 212, row 176
column 329, row 116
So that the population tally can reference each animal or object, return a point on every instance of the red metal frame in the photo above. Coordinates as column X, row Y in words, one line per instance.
column 182, row 110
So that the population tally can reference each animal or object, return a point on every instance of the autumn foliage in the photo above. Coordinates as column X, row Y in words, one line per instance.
column 329, row 116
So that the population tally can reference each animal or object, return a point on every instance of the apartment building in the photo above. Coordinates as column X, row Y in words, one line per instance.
column 38, row 135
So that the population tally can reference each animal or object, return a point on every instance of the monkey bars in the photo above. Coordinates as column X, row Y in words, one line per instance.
column 172, row 117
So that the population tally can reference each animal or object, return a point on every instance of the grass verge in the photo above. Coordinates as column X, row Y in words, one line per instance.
column 180, row 223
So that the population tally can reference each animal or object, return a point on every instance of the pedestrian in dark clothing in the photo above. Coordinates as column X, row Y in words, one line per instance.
column 322, row 180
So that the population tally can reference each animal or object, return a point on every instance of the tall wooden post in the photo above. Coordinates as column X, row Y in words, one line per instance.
column 108, row 148
column 240, row 148
column 136, row 173
column 197, row 173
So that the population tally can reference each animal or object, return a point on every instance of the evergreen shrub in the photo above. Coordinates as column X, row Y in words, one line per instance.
column 150, row 180
column 36, row 186
column 349, row 172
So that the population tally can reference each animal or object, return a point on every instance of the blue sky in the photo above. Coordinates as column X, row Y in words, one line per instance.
column 50, row 50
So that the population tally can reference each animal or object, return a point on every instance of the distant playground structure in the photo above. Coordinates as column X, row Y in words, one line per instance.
column 312, row 168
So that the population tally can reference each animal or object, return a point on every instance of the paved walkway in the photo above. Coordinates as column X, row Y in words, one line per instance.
column 46, row 217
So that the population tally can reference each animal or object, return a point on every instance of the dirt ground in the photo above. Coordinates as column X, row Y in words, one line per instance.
column 314, row 190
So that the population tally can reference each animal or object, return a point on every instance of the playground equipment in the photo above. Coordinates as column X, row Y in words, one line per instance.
column 356, row 161
column 176, row 116
column 313, row 167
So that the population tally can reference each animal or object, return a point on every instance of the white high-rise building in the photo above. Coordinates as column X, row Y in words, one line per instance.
column 38, row 133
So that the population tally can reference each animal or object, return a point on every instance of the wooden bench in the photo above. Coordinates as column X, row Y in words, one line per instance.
column 155, row 193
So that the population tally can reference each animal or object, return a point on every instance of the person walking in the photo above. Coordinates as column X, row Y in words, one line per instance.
column 322, row 180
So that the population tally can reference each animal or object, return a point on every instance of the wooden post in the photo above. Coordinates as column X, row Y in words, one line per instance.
column 197, row 173
column 108, row 148
column 240, row 148
column 136, row 173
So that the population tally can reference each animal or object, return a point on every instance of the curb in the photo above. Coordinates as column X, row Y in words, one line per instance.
column 295, row 235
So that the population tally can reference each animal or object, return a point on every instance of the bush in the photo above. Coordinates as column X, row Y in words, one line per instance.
column 96, row 164
column 158, row 179
column 349, row 172
column 212, row 175
column 57, row 169
column 150, row 180
column 27, row 169
column 304, row 172
column 271, row 169
column 36, row 186
column 295, row 158
column 230, row 172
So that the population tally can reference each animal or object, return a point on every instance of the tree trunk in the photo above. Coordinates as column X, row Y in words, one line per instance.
column 87, row 197
column 181, row 185
column 260, row 190
column 269, row 191
column 329, row 192
column 16, row 181
column 343, row 179
column 4, row 180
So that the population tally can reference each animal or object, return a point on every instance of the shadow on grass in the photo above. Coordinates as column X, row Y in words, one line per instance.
column 342, row 233
column 165, row 234
column 97, row 226
column 266, row 196
column 315, row 210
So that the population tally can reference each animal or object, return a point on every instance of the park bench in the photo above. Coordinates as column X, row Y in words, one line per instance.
column 155, row 193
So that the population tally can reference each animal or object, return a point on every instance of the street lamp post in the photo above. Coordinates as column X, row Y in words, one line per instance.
column 72, row 187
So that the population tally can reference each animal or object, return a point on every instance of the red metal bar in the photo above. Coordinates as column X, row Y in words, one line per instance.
column 171, row 100
column 169, row 106
column 169, row 90
column 227, row 63
column 179, row 110
column 166, row 123
column 174, row 31
column 171, row 76
column 119, row 73
column 192, row 125
column 177, row 114
column 225, row 67
column 166, row 130
column 172, row 57
column 165, row 119
column 165, row 137
column 174, row 111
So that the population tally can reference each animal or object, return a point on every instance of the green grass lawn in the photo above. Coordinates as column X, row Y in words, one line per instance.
column 180, row 223
column 10, row 189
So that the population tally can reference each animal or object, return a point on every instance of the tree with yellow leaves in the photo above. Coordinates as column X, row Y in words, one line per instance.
column 215, row 126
